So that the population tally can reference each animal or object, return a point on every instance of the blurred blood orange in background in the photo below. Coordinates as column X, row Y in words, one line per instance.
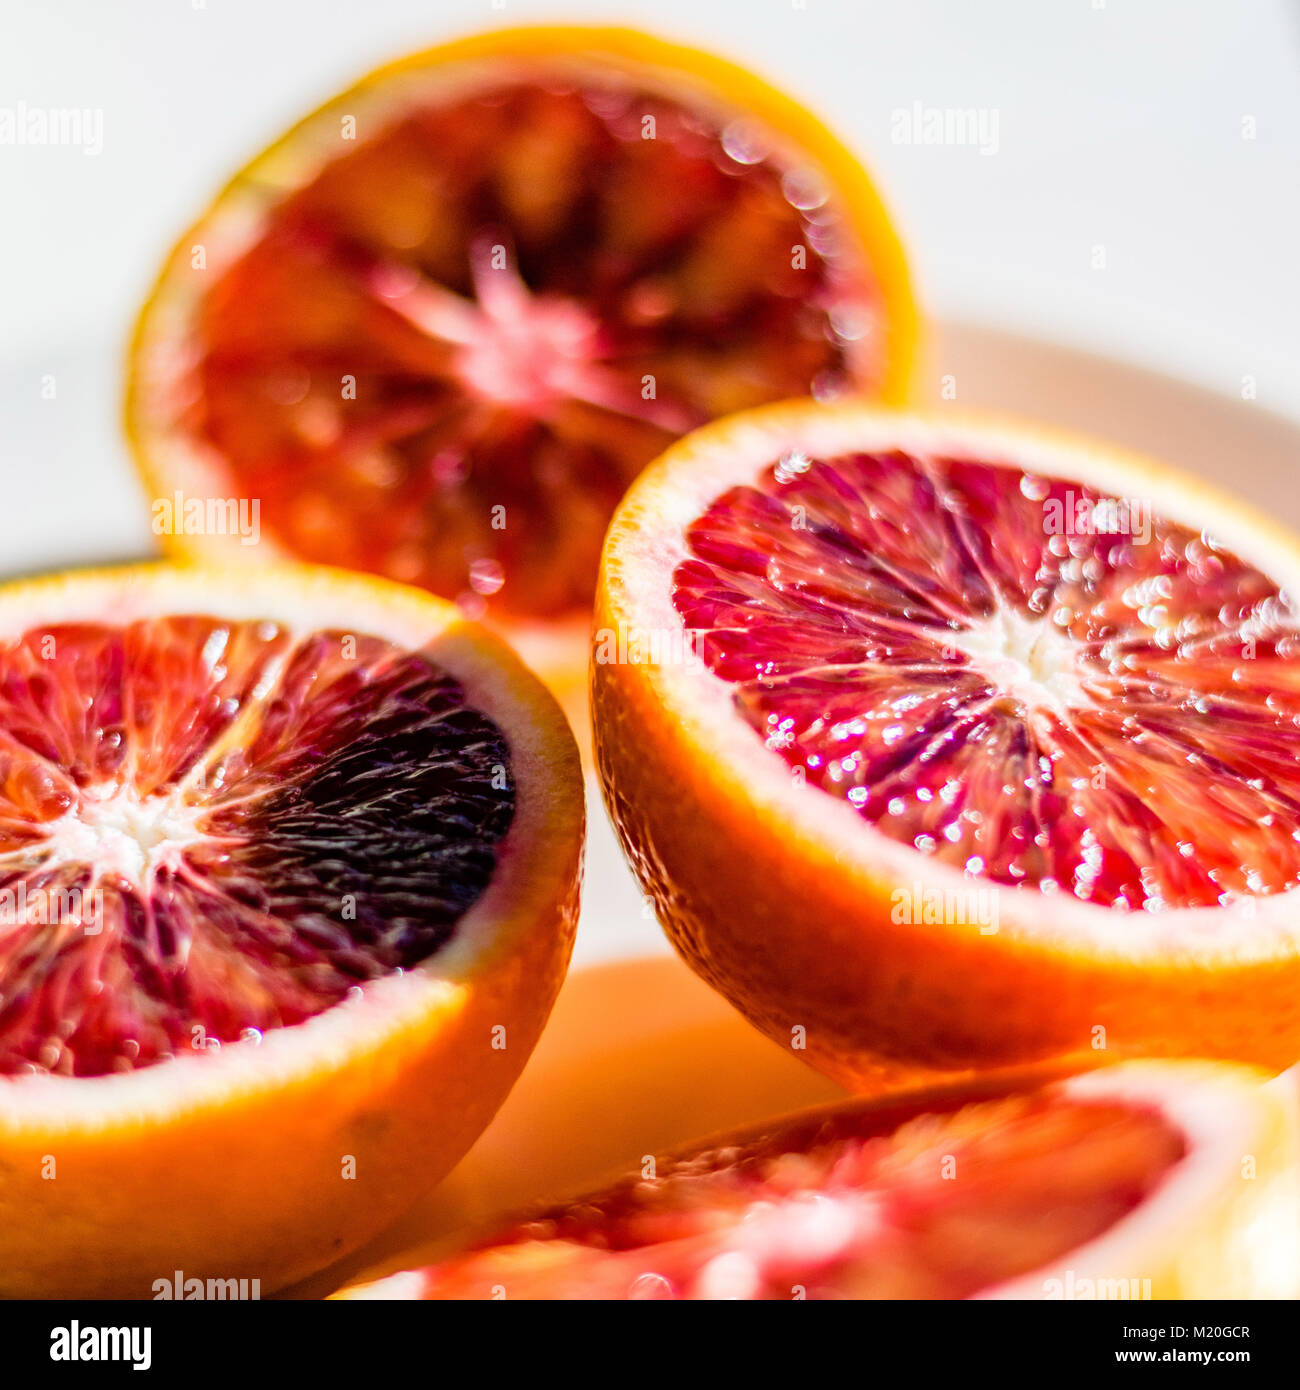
column 1124, row 1183
column 439, row 326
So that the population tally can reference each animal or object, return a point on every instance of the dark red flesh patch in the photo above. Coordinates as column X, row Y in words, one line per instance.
column 340, row 803
column 864, row 1204
column 659, row 279
column 836, row 595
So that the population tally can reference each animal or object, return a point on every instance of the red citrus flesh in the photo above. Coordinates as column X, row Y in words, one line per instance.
column 1014, row 674
column 861, row 1201
column 531, row 299
column 211, row 828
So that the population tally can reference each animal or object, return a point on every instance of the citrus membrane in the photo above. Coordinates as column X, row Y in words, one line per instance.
column 1022, row 676
column 441, row 326
column 210, row 828
column 949, row 1194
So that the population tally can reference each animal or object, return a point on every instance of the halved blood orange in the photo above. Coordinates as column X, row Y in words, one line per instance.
column 1152, row 1180
column 439, row 326
column 951, row 744
column 288, row 877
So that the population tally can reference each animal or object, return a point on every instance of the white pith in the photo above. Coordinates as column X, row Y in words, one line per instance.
column 647, row 542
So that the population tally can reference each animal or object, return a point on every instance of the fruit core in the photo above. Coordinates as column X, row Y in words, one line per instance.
column 532, row 287
column 1017, row 675
column 209, row 829
column 122, row 836
column 1028, row 660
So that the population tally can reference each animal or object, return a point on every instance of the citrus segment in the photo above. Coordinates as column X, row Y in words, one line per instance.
column 441, row 325
column 288, row 880
column 244, row 884
column 950, row 744
column 1122, row 1184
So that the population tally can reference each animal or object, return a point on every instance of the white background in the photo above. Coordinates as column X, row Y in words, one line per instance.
column 1119, row 123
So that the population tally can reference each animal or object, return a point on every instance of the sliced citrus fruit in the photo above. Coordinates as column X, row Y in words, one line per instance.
column 288, row 878
column 957, row 744
column 1152, row 1180
column 439, row 326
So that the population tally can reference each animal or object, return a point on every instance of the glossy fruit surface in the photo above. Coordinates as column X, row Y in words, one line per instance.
column 954, row 743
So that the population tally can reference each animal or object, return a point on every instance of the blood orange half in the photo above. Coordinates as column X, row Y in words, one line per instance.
column 437, row 328
column 288, row 878
column 956, row 744
column 1141, row 1181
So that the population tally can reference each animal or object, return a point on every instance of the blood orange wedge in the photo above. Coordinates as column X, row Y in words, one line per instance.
column 955, row 744
column 1151, row 1180
column 437, row 328
column 288, row 877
